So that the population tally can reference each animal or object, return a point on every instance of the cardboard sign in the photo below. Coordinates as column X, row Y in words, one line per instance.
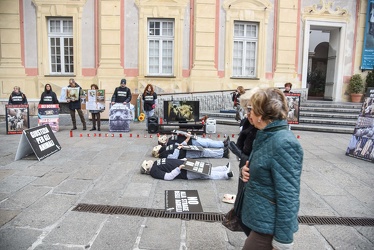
column 193, row 148
column 198, row 166
column 17, row 118
column 39, row 140
column 182, row 201
column 179, row 132
column 92, row 99
column 293, row 101
column 49, row 114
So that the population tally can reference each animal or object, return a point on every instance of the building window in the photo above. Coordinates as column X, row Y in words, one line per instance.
column 245, row 49
column 160, row 47
column 61, row 50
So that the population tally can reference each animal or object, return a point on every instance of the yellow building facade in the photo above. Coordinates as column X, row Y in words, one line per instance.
column 178, row 45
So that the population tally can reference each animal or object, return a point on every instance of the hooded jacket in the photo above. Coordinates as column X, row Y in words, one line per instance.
column 271, row 196
column 48, row 97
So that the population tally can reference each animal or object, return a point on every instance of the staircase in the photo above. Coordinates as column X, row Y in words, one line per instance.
column 318, row 116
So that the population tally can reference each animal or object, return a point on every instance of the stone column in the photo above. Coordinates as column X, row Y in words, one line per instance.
column 110, row 38
column 286, row 40
column 204, row 40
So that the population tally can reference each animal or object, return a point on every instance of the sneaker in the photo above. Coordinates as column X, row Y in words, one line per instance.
column 228, row 167
column 230, row 174
column 226, row 142
column 226, row 153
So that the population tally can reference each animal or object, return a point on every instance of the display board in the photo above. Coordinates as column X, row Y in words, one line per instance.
column 293, row 101
column 120, row 117
column 361, row 144
column 17, row 118
column 181, row 111
column 182, row 201
column 93, row 99
column 39, row 140
column 49, row 114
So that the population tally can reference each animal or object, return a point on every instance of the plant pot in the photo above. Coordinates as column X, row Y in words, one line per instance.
column 356, row 97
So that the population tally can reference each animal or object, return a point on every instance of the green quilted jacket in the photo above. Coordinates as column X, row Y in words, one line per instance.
column 271, row 196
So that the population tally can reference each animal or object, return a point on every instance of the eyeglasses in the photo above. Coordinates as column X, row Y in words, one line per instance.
column 249, row 109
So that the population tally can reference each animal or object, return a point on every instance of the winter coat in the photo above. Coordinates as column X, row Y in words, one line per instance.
column 17, row 98
column 121, row 95
column 149, row 100
column 48, row 97
column 73, row 105
column 271, row 196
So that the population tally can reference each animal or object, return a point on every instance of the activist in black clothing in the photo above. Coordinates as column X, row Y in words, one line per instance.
column 122, row 94
column 170, row 169
column 149, row 98
column 76, row 105
column 48, row 96
column 17, row 97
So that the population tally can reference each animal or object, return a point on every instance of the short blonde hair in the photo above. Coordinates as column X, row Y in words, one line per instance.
column 270, row 103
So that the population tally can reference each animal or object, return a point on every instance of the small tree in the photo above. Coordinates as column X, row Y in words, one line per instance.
column 356, row 84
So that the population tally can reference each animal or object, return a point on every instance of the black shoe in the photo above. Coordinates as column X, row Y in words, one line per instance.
column 226, row 142
column 226, row 153
column 230, row 174
column 234, row 149
column 92, row 129
column 74, row 128
column 98, row 129
column 84, row 128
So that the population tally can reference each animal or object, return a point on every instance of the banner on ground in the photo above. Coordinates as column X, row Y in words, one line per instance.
column 182, row 201
column 39, row 140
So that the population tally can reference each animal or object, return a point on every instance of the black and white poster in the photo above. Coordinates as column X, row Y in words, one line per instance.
column 198, row 166
column 182, row 201
column 361, row 144
column 17, row 118
column 120, row 117
column 293, row 101
column 39, row 140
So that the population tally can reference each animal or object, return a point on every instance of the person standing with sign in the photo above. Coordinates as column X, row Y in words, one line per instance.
column 48, row 96
column 122, row 94
column 149, row 97
column 76, row 105
column 95, row 113
column 17, row 97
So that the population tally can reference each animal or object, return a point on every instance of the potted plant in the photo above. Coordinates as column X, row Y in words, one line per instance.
column 355, row 88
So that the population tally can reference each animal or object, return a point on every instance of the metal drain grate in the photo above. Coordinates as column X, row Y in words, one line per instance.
column 214, row 217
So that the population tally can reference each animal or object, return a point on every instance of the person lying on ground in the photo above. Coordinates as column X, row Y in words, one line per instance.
column 170, row 169
column 194, row 140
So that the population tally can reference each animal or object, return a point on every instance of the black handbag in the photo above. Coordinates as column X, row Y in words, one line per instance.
column 232, row 220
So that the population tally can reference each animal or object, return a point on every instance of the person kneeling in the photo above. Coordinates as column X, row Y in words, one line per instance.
column 170, row 169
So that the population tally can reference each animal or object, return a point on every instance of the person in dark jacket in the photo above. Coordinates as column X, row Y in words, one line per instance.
column 122, row 94
column 287, row 87
column 271, row 175
column 17, row 97
column 170, row 169
column 149, row 98
column 48, row 96
column 76, row 105
column 236, row 100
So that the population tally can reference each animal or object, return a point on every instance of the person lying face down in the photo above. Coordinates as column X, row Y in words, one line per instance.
column 170, row 169
column 176, row 151
column 195, row 141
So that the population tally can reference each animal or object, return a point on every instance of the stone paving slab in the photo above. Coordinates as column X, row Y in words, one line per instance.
column 37, row 198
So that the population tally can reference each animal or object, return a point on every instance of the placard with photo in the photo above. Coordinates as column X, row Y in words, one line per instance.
column 17, row 118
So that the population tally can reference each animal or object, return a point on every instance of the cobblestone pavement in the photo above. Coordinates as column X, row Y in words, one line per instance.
column 37, row 198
